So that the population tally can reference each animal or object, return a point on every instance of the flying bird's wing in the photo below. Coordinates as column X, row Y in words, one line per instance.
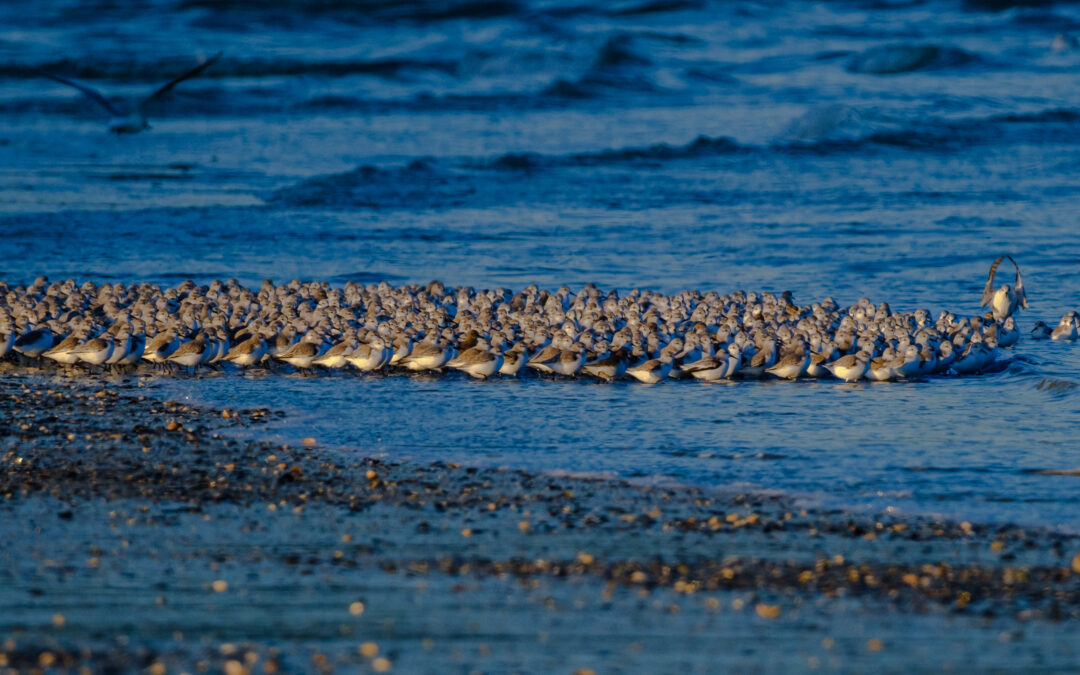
column 1020, row 294
column 92, row 93
column 164, row 89
column 988, row 292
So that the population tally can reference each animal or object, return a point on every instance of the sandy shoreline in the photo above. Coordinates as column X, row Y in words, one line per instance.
column 143, row 536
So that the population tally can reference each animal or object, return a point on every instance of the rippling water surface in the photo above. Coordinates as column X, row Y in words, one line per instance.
column 888, row 150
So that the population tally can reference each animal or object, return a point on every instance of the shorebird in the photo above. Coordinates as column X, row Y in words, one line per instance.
column 909, row 363
column 759, row 361
column 819, row 359
column 248, row 353
column 135, row 352
column 402, row 348
column 791, row 365
column 570, row 361
column 972, row 360
column 607, row 367
column 335, row 357
column 35, row 343
column 1066, row 330
column 544, row 358
column 428, row 355
column 129, row 121
column 651, row 371
column 1008, row 335
column 719, row 366
column 1040, row 331
column 370, row 356
column 121, row 348
column 7, row 341
column 1005, row 300
column 849, row 368
column 301, row 355
column 189, row 354
column 95, row 352
column 881, row 368
column 514, row 360
column 945, row 357
column 478, row 361
column 64, row 352
column 161, row 347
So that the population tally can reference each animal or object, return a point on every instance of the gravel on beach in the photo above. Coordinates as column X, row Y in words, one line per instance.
column 153, row 535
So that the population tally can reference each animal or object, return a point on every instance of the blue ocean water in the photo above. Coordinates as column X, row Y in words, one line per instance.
column 863, row 148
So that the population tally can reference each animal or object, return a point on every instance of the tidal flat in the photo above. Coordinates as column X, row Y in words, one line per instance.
column 153, row 535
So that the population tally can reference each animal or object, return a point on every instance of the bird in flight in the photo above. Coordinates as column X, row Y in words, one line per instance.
column 133, row 121
column 1004, row 301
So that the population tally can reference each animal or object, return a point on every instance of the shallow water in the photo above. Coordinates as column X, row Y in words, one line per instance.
column 847, row 149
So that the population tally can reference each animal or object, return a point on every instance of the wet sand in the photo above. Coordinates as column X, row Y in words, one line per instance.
column 146, row 535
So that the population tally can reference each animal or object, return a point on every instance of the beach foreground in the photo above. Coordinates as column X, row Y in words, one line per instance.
column 144, row 534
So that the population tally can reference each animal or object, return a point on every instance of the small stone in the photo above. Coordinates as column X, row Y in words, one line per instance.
column 1076, row 564
column 369, row 649
column 767, row 611
column 356, row 608
column 220, row 586
column 308, row 442
column 381, row 665
column 173, row 425
column 875, row 644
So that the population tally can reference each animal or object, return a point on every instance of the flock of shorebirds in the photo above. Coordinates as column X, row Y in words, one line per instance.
column 372, row 328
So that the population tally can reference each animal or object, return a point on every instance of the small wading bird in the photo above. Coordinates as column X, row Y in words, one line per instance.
column 1004, row 301
column 134, row 121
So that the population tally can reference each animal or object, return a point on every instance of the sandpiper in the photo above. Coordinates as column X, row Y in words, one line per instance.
column 121, row 347
column 608, row 367
column 711, row 368
column 161, row 347
column 35, row 343
column 570, row 361
column 7, row 341
column 849, row 368
column 428, row 355
column 301, row 355
column 64, row 352
column 514, row 360
column 189, row 354
column 478, row 361
column 651, row 371
column 370, row 356
column 1008, row 335
column 135, row 351
column 249, row 352
column 1005, row 300
column 95, row 352
column 1040, row 331
column 335, row 357
column 791, row 365
column 1066, row 330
